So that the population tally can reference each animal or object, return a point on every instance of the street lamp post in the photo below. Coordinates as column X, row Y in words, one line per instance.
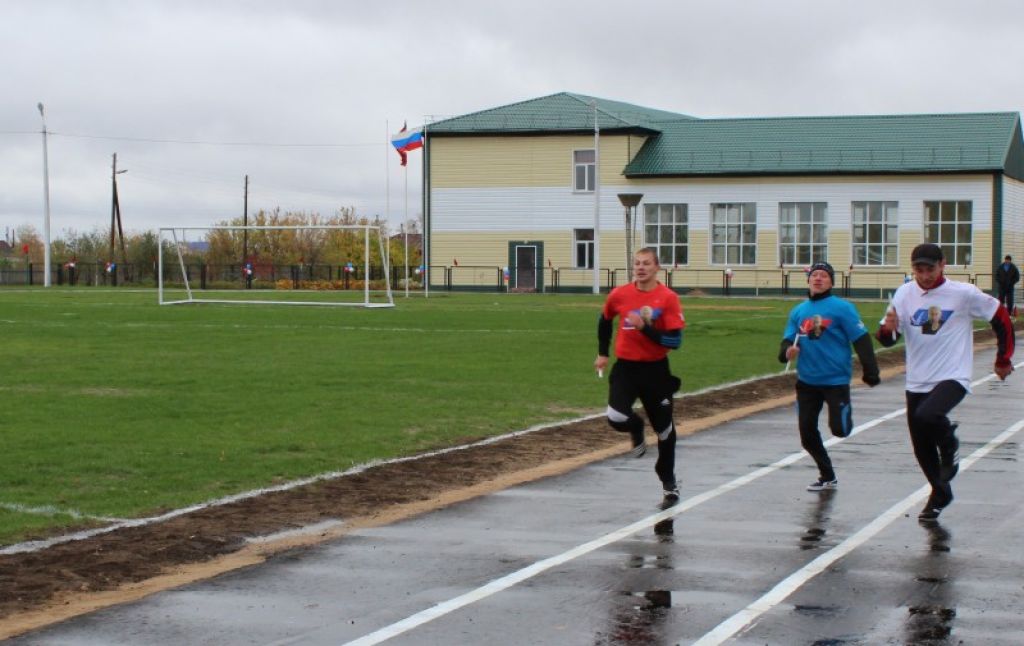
column 629, row 201
column 46, row 204
column 597, row 201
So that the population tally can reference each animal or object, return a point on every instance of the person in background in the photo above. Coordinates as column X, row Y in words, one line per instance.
column 939, row 361
column 1007, row 277
column 650, row 325
column 817, row 337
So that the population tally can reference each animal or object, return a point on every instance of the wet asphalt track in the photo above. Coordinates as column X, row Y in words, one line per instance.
column 747, row 557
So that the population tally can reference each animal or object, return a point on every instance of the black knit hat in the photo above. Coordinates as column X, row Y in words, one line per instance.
column 926, row 253
column 824, row 266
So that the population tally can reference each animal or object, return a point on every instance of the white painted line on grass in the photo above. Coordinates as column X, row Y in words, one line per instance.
column 744, row 620
column 539, row 567
column 50, row 510
column 34, row 546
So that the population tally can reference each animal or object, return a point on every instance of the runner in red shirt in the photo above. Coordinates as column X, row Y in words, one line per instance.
column 650, row 324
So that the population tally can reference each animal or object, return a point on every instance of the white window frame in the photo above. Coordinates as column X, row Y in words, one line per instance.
column 886, row 248
column 738, row 217
column 587, row 246
column 588, row 169
column 663, row 233
column 948, row 230
column 809, row 221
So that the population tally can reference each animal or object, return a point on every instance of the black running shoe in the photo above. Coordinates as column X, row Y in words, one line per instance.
column 670, row 496
column 821, row 484
column 935, row 505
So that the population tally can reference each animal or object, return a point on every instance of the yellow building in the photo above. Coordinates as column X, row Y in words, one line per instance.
column 535, row 190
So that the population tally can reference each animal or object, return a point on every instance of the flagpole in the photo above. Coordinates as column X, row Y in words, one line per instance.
column 387, row 174
column 405, row 221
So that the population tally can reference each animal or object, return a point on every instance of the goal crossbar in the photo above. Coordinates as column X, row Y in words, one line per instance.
column 170, row 234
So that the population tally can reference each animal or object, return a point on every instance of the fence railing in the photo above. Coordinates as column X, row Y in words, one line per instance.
column 745, row 282
column 203, row 276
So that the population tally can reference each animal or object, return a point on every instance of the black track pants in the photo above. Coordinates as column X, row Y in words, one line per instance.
column 930, row 428
column 809, row 401
column 653, row 384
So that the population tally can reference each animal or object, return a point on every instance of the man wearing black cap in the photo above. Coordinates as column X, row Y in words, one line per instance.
column 937, row 316
column 818, row 337
column 1007, row 276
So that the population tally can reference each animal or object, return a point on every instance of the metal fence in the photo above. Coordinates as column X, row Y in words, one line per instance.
column 203, row 276
column 489, row 278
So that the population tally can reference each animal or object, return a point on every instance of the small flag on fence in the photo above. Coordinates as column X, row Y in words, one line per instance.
column 405, row 141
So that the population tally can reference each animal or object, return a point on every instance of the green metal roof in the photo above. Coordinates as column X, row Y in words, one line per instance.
column 845, row 144
column 555, row 114
column 682, row 145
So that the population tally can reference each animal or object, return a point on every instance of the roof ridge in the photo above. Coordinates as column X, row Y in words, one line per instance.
column 819, row 117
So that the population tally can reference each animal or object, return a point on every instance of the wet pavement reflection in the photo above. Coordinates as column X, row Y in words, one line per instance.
column 639, row 616
column 817, row 520
column 930, row 616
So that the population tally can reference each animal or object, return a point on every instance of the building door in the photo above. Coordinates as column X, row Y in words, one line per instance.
column 526, row 267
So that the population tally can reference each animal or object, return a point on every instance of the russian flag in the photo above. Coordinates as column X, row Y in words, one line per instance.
column 405, row 141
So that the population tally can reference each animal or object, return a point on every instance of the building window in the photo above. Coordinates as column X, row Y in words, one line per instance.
column 583, row 248
column 583, row 169
column 948, row 224
column 875, row 233
column 667, row 230
column 733, row 234
column 803, row 233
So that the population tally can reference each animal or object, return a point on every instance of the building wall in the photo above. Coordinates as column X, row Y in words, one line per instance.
column 1013, row 218
column 471, row 221
column 523, row 162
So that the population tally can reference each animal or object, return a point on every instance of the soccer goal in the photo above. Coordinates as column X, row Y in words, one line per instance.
column 188, row 270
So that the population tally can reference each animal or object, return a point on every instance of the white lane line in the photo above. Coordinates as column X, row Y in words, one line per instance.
column 514, row 578
column 478, row 594
column 745, row 618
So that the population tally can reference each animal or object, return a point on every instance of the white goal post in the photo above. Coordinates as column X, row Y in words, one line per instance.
column 183, row 290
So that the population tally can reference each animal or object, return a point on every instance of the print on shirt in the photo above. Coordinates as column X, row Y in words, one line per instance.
column 647, row 313
column 814, row 326
column 930, row 320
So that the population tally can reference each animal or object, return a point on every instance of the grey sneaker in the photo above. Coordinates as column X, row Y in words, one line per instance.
column 639, row 447
column 822, row 485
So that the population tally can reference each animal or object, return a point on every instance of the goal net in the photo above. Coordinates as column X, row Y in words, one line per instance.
column 228, row 264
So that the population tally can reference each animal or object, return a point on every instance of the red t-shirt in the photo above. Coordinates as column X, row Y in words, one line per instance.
column 660, row 306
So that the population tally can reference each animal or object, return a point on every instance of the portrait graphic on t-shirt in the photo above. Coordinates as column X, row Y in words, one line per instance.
column 930, row 320
column 647, row 313
column 814, row 326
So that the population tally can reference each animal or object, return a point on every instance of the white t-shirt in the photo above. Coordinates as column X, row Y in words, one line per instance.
column 938, row 326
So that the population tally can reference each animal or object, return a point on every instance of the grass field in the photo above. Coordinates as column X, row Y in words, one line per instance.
column 116, row 407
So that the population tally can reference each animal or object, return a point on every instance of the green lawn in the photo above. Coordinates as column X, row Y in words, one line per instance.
column 116, row 407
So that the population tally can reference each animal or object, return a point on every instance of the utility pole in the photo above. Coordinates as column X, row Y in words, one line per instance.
column 46, row 203
column 115, row 213
column 245, row 222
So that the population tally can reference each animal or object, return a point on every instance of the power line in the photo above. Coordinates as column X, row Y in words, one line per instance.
column 199, row 142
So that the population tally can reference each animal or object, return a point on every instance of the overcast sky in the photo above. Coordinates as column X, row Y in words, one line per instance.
column 301, row 94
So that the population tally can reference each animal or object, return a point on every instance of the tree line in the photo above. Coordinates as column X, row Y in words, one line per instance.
column 223, row 247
